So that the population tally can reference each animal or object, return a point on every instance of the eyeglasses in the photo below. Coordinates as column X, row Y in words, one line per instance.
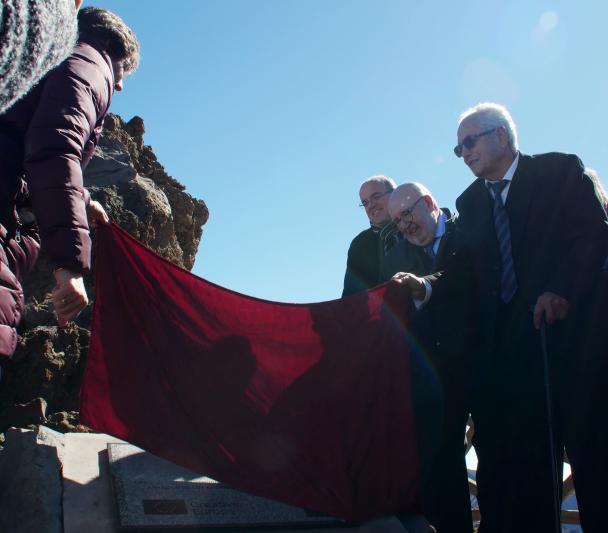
column 374, row 198
column 406, row 213
column 469, row 141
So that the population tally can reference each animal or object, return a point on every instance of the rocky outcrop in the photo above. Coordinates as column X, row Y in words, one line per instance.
column 140, row 196
column 41, row 382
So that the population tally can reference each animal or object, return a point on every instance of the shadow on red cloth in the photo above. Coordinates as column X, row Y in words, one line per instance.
column 309, row 404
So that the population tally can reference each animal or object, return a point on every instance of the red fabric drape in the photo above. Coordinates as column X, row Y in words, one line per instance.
column 308, row 404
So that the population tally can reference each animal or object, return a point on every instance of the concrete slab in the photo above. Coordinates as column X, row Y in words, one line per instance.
column 153, row 492
column 88, row 504
column 30, row 490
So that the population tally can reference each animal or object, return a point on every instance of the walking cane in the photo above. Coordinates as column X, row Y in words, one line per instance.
column 556, row 491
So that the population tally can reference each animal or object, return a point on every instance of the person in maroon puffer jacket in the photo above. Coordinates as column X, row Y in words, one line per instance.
column 46, row 139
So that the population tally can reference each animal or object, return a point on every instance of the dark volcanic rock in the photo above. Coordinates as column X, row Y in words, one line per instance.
column 48, row 365
column 42, row 381
column 126, row 177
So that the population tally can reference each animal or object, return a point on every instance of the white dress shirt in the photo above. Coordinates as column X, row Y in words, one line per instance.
column 508, row 177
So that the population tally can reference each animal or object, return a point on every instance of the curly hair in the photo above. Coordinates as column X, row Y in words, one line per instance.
column 110, row 31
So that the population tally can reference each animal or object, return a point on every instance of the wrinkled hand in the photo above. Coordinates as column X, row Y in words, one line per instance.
column 96, row 213
column 553, row 306
column 415, row 284
column 69, row 295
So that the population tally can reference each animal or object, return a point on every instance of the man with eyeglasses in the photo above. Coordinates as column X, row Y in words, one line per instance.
column 536, row 234
column 444, row 328
column 366, row 251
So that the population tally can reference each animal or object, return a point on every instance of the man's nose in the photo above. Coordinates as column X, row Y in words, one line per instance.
column 118, row 85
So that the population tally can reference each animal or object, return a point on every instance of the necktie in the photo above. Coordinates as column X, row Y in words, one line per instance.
column 508, row 283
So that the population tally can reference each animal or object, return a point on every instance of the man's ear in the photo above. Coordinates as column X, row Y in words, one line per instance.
column 503, row 136
column 77, row 3
column 430, row 203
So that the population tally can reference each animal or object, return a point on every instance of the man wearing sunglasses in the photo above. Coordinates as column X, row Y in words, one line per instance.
column 444, row 328
column 366, row 251
column 537, row 235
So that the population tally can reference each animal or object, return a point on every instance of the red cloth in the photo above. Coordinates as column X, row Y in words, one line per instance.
column 308, row 404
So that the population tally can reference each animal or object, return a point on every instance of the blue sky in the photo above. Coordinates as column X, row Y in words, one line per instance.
column 274, row 111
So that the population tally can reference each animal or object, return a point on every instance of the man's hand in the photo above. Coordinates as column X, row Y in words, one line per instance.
column 96, row 213
column 415, row 284
column 553, row 306
column 69, row 295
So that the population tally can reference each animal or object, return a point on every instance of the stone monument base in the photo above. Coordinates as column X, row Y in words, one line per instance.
column 62, row 483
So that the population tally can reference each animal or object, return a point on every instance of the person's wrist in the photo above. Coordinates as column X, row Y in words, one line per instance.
column 62, row 274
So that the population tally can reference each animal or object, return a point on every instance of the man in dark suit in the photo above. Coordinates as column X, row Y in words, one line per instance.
column 537, row 236
column 444, row 330
column 366, row 251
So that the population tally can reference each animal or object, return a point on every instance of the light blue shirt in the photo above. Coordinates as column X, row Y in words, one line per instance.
column 439, row 233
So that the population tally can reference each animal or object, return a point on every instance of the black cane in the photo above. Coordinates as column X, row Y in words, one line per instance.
column 554, row 469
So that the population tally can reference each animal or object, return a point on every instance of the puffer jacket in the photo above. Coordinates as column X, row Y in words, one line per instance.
column 59, row 123
column 17, row 257
column 46, row 139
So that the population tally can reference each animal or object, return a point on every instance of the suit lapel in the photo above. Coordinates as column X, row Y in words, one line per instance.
column 519, row 199
column 483, row 203
column 443, row 243
column 424, row 260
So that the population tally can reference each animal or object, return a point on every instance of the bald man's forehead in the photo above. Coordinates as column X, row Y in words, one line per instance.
column 399, row 200
column 404, row 196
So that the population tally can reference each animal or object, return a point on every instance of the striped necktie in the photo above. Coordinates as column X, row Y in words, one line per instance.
column 508, row 282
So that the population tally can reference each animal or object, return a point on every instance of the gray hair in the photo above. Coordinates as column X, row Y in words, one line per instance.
column 37, row 35
column 493, row 115
column 109, row 31
column 388, row 182
column 595, row 178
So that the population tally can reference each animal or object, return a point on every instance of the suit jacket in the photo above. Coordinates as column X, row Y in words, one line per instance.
column 405, row 257
column 447, row 323
column 559, row 233
column 445, row 327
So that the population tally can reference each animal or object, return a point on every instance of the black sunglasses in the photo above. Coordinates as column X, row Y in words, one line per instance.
column 469, row 141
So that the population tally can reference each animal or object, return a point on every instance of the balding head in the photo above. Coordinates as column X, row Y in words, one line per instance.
column 415, row 212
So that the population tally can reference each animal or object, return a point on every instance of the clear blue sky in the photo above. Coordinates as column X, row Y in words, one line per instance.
column 274, row 111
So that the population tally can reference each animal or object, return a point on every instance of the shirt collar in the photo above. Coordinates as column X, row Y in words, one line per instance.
column 510, row 172
column 440, row 228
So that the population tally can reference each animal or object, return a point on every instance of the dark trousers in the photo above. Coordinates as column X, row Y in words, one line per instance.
column 446, row 497
column 514, row 475
column 447, row 500
column 586, row 400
